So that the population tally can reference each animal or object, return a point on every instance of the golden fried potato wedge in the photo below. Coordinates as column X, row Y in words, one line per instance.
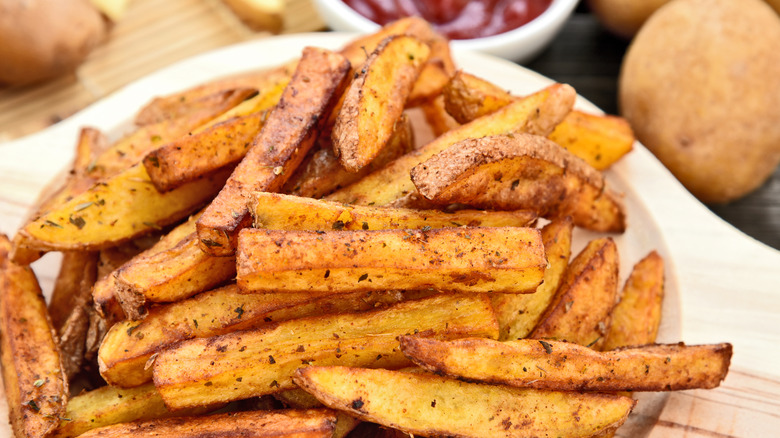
column 636, row 317
column 128, row 347
column 436, row 117
column 179, row 104
column 129, row 151
column 600, row 140
column 580, row 309
column 539, row 113
column 300, row 399
column 36, row 389
column 119, row 209
column 359, row 49
column 506, row 259
column 251, row 363
column 518, row 314
column 109, row 405
column 318, row 423
column 375, row 100
column 429, row 405
column 563, row 366
column 321, row 173
column 275, row 211
column 520, row 171
column 289, row 132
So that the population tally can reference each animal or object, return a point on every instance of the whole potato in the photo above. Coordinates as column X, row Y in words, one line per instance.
column 700, row 85
column 40, row 39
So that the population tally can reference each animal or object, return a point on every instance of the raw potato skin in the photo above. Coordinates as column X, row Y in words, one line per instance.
column 42, row 39
column 699, row 86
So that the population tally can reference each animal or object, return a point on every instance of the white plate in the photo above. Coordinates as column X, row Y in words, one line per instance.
column 661, row 214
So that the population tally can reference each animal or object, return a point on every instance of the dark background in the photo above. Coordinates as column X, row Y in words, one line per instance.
column 588, row 58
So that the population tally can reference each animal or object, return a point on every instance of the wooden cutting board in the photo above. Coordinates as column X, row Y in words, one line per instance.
column 151, row 35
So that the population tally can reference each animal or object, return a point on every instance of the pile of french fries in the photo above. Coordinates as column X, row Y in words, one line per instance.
column 272, row 254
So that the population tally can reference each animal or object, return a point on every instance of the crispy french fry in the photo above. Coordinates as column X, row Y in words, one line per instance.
column 536, row 114
column 506, row 259
column 300, row 399
column 251, row 363
column 129, row 151
column 636, row 317
column 429, row 405
column 36, row 389
column 359, row 49
column 221, row 143
column 580, row 309
column 287, row 136
column 520, row 171
column 318, row 423
column 129, row 346
column 436, row 117
column 600, row 140
column 117, row 210
column 375, row 100
column 284, row 212
column 112, row 405
column 518, row 314
column 178, row 104
column 321, row 173
column 563, row 366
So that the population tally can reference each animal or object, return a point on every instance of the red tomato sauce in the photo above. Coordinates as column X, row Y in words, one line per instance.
column 457, row 19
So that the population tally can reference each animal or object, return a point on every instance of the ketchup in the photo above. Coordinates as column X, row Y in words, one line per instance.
column 457, row 19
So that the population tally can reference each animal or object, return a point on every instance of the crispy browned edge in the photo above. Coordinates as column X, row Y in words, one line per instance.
column 289, row 132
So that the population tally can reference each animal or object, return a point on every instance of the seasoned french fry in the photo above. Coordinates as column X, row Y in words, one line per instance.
column 119, row 209
column 600, row 140
column 179, row 104
column 563, row 366
column 251, row 363
column 375, row 100
column 284, row 212
column 429, row 405
column 536, row 114
column 318, row 423
column 520, row 171
column 359, row 49
column 36, row 389
column 300, row 399
column 518, row 314
column 580, row 309
column 129, row 345
column 506, row 259
column 287, row 136
column 321, row 173
column 112, row 405
column 636, row 317
column 436, row 117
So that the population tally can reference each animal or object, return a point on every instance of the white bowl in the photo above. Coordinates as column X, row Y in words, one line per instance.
column 519, row 45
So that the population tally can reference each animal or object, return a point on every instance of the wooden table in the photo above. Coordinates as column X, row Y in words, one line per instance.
column 730, row 287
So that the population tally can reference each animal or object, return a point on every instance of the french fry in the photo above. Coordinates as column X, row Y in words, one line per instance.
column 300, row 399
column 221, row 143
column 391, row 186
column 518, row 314
column 359, row 49
column 436, row 117
column 375, row 100
column 318, row 423
column 321, row 173
column 506, row 259
column 520, row 171
column 178, row 104
column 251, row 363
column 36, row 389
column 284, row 212
column 128, row 347
column 636, row 317
column 562, row 366
column 91, row 143
column 119, row 209
column 429, row 405
column 600, row 140
column 286, row 137
column 580, row 309
column 109, row 405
